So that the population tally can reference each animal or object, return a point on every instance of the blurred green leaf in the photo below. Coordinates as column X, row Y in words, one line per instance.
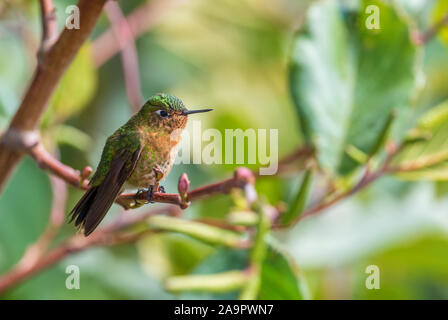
column 168, row 254
column 345, row 79
column 75, row 90
column 211, row 283
column 299, row 200
column 221, row 260
column 24, row 211
column 272, row 187
column 441, row 188
column 72, row 136
column 201, row 231
column 13, row 74
column 384, row 134
column 258, row 253
column 278, row 279
column 427, row 159
column 242, row 218
column 424, row 277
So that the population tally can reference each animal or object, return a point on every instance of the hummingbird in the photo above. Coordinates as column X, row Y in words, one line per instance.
column 137, row 155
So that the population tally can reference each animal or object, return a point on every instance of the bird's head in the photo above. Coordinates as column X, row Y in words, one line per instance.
column 168, row 112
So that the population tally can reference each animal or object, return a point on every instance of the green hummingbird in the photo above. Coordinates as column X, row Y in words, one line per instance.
column 138, row 155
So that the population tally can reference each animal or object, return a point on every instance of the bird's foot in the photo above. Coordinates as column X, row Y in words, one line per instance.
column 149, row 194
column 152, row 189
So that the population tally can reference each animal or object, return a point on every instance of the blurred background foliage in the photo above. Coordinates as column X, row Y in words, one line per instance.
column 333, row 84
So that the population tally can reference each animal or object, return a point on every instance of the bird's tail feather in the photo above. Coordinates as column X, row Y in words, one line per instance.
column 95, row 203
column 79, row 212
column 93, row 206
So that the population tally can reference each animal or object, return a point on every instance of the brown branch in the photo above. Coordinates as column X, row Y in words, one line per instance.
column 367, row 179
column 301, row 156
column 137, row 22
column 52, row 65
column 49, row 25
column 129, row 59
column 47, row 162
column 421, row 38
column 241, row 178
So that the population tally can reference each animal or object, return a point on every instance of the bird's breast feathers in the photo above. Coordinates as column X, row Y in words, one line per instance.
column 160, row 154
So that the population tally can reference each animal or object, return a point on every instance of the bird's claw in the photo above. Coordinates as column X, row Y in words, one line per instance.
column 151, row 190
column 149, row 194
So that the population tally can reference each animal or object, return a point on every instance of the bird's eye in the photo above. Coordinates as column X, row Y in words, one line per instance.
column 162, row 113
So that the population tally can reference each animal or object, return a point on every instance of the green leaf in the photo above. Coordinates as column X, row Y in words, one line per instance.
column 197, row 230
column 72, row 136
column 167, row 254
column 221, row 260
column 279, row 280
column 427, row 159
column 299, row 201
column 24, row 211
column 257, row 254
column 415, row 269
column 441, row 189
column 214, row 283
column 384, row 134
column 345, row 79
column 75, row 90
column 242, row 218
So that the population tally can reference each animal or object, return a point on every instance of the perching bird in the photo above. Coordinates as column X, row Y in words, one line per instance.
column 144, row 145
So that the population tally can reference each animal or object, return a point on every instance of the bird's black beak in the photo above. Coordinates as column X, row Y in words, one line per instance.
column 187, row 112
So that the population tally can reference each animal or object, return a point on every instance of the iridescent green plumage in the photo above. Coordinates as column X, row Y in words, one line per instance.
column 125, row 138
column 167, row 101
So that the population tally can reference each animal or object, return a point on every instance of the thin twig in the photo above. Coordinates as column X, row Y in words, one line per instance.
column 365, row 181
column 71, row 246
column 421, row 38
column 139, row 21
column 46, row 161
column 241, row 177
column 129, row 59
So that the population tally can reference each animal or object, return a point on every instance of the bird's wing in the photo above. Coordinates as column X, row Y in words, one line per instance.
column 120, row 155
column 120, row 145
